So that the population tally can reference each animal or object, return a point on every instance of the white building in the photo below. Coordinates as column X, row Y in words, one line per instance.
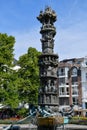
column 72, row 82
column 84, row 83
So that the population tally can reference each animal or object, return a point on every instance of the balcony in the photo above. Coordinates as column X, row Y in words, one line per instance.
column 74, row 83
column 64, row 94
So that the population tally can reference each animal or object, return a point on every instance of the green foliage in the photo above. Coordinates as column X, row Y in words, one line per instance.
column 22, row 112
column 29, row 76
column 12, row 97
column 6, row 49
column 78, row 120
column 20, row 86
column 6, row 121
column 8, row 85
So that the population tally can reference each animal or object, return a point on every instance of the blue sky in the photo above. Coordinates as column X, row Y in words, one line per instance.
column 18, row 18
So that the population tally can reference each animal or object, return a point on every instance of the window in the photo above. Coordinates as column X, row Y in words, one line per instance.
column 75, row 100
column 74, row 80
column 64, row 101
column 61, row 81
column 86, row 76
column 86, row 105
column 74, row 71
column 61, row 71
column 74, row 90
column 67, row 91
column 61, row 91
column 79, row 62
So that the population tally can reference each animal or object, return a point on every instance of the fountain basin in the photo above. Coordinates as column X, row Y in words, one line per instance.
column 50, row 121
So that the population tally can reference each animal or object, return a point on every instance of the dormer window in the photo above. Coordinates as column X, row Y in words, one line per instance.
column 86, row 62
column 74, row 71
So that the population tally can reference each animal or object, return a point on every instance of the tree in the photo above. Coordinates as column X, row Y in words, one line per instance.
column 11, row 91
column 29, row 76
column 6, row 49
column 8, row 78
column 21, row 86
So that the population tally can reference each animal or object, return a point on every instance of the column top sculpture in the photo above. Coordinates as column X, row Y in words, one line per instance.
column 48, row 13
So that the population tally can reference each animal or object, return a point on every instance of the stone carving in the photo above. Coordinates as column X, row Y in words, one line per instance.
column 46, row 88
column 48, row 61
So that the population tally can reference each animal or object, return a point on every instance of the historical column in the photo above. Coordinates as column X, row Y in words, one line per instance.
column 48, row 61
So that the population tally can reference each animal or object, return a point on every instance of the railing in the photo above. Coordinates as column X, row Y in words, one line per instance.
column 64, row 93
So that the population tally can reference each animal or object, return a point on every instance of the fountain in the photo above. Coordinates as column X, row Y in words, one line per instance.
column 48, row 65
column 48, row 99
column 49, row 116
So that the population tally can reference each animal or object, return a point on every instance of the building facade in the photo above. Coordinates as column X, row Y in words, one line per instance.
column 84, row 85
column 72, row 82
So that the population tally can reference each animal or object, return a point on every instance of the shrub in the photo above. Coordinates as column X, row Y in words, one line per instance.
column 22, row 112
column 78, row 120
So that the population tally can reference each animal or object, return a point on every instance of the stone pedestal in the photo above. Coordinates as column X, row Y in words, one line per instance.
column 49, row 123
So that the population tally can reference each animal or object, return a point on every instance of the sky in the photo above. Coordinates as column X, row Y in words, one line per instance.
column 19, row 19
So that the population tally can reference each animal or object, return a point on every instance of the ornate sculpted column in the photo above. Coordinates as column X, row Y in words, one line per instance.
column 48, row 61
